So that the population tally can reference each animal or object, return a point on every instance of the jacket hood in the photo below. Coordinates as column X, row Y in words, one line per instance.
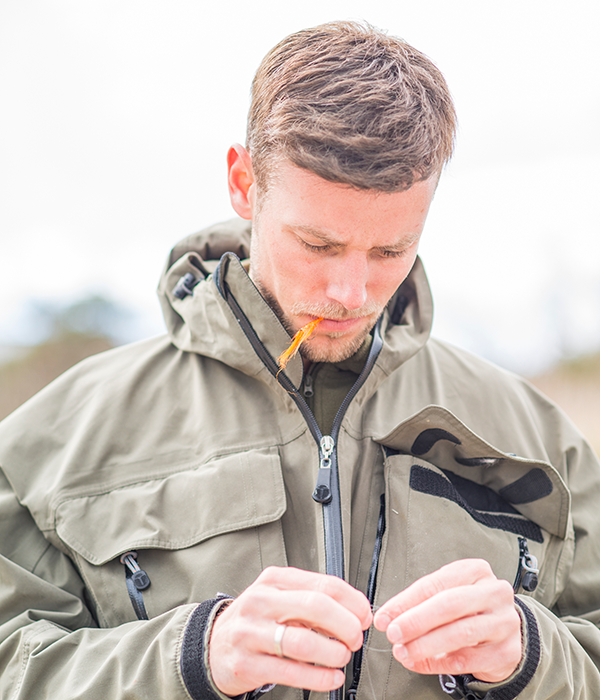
column 200, row 319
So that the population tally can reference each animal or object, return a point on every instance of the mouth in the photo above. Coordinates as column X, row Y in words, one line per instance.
column 332, row 325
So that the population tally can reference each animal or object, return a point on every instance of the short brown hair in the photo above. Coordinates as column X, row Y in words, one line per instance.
column 353, row 105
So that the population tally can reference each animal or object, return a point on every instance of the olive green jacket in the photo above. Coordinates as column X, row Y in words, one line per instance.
column 190, row 451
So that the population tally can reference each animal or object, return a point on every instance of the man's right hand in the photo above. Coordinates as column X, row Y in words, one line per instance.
column 324, row 618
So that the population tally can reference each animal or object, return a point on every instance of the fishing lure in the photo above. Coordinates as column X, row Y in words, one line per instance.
column 303, row 334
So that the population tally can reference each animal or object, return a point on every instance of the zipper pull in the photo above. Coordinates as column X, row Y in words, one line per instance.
column 140, row 578
column 308, row 385
column 527, row 576
column 322, row 492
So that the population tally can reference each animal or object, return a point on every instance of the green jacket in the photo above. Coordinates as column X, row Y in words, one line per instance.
column 188, row 450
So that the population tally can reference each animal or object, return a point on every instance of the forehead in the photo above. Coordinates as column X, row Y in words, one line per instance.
column 305, row 203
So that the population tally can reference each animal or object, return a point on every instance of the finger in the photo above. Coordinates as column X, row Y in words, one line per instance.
column 491, row 596
column 289, row 578
column 458, row 573
column 471, row 631
column 489, row 663
column 244, row 673
column 242, row 656
column 301, row 644
column 300, row 608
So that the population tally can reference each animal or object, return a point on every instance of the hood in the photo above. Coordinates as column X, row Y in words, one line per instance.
column 199, row 318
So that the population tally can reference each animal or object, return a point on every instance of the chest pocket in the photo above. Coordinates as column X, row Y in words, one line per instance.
column 205, row 529
column 451, row 495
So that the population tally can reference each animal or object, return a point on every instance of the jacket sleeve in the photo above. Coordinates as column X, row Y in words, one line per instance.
column 570, row 634
column 50, row 645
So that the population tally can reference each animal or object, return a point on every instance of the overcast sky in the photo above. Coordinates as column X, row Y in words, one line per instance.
column 116, row 117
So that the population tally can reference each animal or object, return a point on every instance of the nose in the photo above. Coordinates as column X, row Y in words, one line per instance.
column 347, row 281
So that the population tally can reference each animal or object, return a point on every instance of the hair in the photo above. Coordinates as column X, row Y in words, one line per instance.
column 353, row 105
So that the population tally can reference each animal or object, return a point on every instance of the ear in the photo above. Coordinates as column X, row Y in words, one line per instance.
column 240, row 178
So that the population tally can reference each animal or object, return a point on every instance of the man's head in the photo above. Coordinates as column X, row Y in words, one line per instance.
column 347, row 134
column 352, row 105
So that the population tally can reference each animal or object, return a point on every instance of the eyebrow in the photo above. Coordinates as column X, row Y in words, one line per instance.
column 324, row 237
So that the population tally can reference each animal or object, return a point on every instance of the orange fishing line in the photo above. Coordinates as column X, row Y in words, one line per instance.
column 302, row 335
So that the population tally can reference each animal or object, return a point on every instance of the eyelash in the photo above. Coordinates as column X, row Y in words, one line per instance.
column 324, row 248
column 392, row 253
column 315, row 248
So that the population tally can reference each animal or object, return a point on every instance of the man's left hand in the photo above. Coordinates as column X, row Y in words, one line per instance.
column 459, row 619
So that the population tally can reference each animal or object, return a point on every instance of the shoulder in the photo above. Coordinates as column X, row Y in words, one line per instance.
column 502, row 407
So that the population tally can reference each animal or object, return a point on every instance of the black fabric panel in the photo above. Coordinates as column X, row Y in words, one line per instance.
column 427, row 481
column 193, row 670
column 512, row 690
column 532, row 486
column 427, row 439
column 478, row 496
column 192, row 653
column 390, row 451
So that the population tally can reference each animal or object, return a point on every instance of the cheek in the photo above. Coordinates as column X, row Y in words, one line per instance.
column 301, row 272
column 385, row 279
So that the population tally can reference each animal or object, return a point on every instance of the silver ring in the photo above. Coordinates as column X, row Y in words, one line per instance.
column 278, row 639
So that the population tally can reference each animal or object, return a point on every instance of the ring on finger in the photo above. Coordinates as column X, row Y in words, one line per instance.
column 278, row 639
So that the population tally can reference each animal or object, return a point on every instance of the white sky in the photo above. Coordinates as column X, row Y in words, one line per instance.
column 116, row 116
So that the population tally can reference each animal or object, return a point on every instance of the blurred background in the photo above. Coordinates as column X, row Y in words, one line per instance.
column 116, row 117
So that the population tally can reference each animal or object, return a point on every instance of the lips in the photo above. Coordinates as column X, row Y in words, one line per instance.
column 330, row 325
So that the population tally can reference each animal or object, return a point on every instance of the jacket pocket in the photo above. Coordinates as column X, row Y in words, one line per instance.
column 462, row 497
column 183, row 525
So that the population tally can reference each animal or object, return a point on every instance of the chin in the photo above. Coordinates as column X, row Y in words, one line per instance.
column 332, row 349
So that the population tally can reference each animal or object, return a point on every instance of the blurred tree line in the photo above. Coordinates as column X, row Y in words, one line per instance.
column 67, row 335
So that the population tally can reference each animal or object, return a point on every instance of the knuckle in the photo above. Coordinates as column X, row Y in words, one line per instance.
column 249, row 602
column 432, row 585
column 270, row 574
column 329, row 585
column 312, row 600
column 470, row 633
column 480, row 568
column 458, row 662
column 425, row 666
column 409, row 627
column 506, row 590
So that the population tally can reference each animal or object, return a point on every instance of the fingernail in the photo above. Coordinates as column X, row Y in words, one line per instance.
column 382, row 620
column 400, row 652
column 394, row 634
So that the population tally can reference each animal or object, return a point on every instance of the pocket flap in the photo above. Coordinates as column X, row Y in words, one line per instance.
column 230, row 493
column 534, row 488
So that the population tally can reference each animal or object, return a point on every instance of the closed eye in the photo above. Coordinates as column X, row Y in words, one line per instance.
column 314, row 248
column 392, row 253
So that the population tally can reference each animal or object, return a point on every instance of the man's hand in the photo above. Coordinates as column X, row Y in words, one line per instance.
column 324, row 618
column 459, row 619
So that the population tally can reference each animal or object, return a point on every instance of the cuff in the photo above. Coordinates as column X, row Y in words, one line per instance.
column 469, row 687
column 195, row 668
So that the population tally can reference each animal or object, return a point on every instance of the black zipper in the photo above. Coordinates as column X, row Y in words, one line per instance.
column 307, row 382
column 332, row 513
column 371, row 586
column 528, row 571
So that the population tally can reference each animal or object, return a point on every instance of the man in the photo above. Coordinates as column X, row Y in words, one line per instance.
column 387, row 515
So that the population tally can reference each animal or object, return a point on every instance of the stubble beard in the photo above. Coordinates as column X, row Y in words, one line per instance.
column 332, row 351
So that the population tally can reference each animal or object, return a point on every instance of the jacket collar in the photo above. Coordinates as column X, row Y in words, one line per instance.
column 205, row 323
